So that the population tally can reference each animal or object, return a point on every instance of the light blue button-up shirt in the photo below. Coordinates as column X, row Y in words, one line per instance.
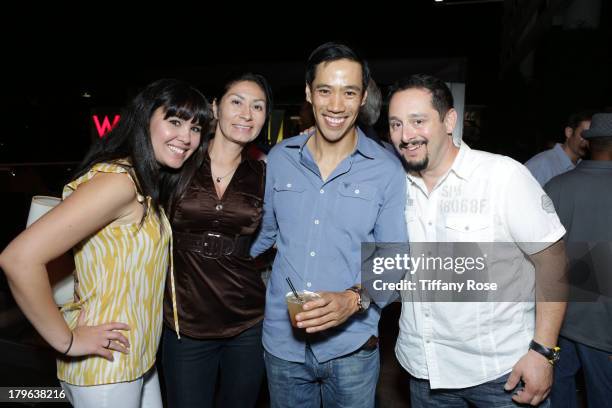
column 318, row 227
column 549, row 163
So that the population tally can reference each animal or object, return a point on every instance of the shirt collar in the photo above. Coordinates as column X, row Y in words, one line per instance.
column 244, row 158
column 558, row 149
column 462, row 166
column 595, row 164
column 365, row 146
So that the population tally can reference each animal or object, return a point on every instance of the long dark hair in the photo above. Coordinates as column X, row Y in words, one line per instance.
column 131, row 139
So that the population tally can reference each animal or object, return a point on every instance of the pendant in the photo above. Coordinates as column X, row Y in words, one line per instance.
column 218, row 179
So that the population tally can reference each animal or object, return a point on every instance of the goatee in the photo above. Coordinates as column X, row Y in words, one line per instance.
column 417, row 166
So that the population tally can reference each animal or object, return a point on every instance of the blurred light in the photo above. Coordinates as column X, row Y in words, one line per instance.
column 86, row 94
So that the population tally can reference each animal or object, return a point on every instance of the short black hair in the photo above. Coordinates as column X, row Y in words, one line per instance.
column 332, row 51
column 441, row 95
column 574, row 119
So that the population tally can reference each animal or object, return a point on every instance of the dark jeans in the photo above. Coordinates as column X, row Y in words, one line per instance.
column 488, row 395
column 191, row 368
column 344, row 382
column 597, row 368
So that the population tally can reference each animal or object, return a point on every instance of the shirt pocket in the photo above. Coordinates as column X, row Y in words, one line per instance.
column 468, row 228
column 356, row 206
column 288, row 199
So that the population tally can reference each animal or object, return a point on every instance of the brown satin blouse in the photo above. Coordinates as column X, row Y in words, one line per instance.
column 218, row 295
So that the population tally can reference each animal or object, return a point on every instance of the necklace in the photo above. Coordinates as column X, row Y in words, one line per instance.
column 218, row 179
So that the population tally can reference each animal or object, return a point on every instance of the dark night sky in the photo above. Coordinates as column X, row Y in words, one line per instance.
column 109, row 53
column 104, row 46
column 52, row 54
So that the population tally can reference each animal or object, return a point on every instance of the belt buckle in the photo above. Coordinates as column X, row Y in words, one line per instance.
column 215, row 245
column 211, row 245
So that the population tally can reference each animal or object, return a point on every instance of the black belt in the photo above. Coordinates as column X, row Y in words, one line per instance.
column 212, row 244
column 371, row 344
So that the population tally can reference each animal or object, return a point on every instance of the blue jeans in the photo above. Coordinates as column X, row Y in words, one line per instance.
column 488, row 395
column 348, row 381
column 191, row 368
column 597, row 368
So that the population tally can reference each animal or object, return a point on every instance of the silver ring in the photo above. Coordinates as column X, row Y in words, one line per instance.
column 109, row 343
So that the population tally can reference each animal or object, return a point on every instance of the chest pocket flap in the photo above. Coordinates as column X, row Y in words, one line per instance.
column 354, row 190
column 288, row 186
column 288, row 199
column 467, row 223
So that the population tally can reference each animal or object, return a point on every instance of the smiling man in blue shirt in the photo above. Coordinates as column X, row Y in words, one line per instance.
column 326, row 193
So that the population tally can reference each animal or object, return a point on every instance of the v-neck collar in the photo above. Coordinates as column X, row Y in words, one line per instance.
column 236, row 176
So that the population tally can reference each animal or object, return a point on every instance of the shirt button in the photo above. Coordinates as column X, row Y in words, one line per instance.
column 308, row 284
column 426, row 314
column 316, row 222
column 219, row 207
column 313, row 253
column 429, row 223
column 467, row 228
column 288, row 185
column 427, row 341
column 357, row 191
column 321, row 191
column 215, row 223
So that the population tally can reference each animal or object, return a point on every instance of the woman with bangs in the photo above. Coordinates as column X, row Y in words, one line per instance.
column 113, row 216
column 212, row 348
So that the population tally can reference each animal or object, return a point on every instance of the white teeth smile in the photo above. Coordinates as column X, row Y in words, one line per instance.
column 176, row 149
column 412, row 145
column 242, row 127
column 335, row 121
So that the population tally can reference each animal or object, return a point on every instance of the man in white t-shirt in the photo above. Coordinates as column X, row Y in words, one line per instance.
column 481, row 353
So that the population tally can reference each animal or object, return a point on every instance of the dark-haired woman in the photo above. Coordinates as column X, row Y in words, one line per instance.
column 113, row 217
column 215, row 338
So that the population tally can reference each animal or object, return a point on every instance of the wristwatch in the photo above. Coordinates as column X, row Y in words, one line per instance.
column 551, row 354
column 364, row 300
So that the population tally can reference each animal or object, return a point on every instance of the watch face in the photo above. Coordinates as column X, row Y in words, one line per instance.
column 555, row 356
column 365, row 301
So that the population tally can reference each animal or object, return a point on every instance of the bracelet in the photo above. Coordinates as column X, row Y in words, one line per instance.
column 70, row 345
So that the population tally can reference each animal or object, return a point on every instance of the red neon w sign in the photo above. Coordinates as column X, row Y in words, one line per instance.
column 106, row 125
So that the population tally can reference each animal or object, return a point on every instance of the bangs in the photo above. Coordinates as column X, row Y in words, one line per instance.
column 188, row 104
column 195, row 114
column 189, row 110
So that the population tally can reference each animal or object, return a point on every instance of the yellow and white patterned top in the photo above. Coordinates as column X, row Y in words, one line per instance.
column 120, row 276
